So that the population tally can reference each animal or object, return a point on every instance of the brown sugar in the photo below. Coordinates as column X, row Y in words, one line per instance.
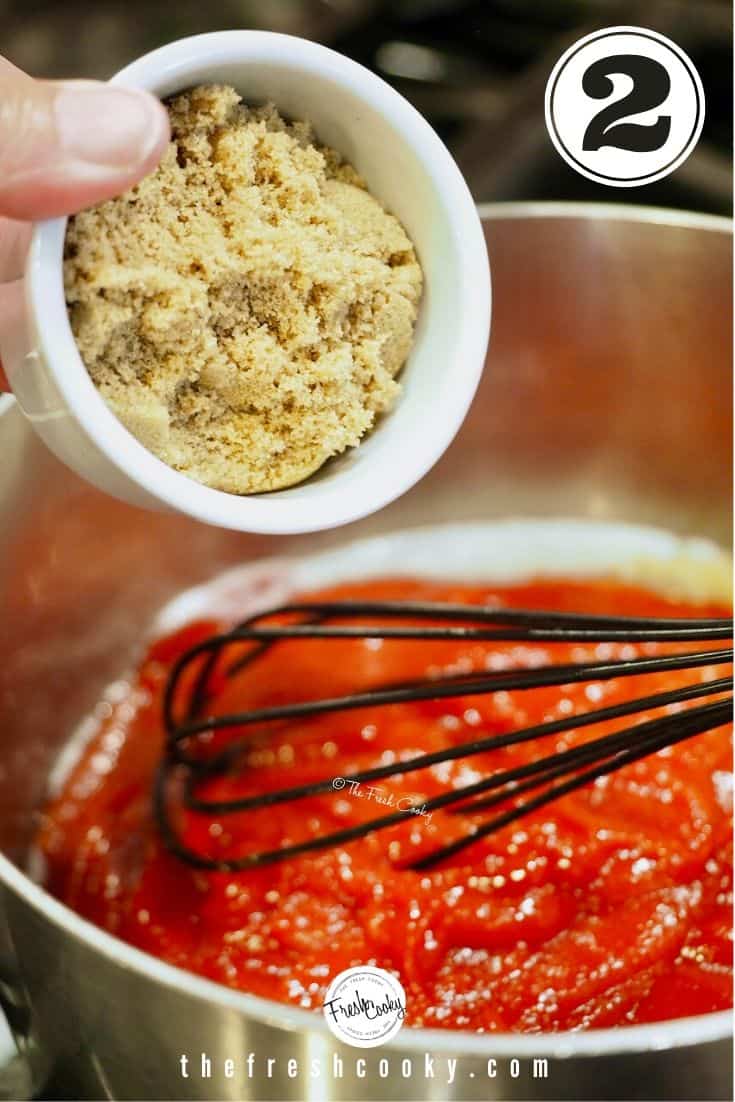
column 246, row 308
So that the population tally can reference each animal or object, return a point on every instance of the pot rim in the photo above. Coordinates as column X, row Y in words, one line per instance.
column 617, row 212
column 655, row 1036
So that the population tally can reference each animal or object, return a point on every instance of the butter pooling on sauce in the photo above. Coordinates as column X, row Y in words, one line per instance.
column 610, row 907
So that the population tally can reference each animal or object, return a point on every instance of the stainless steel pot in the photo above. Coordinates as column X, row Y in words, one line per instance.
column 607, row 394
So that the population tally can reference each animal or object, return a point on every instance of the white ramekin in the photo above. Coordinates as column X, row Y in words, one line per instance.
column 410, row 170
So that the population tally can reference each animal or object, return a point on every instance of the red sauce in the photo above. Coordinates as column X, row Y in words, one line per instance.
column 609, row 907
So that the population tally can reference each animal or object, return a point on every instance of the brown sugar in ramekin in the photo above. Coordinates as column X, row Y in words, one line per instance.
column 246, row 308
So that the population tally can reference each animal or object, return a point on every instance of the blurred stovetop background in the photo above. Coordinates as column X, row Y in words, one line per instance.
column 476, row 68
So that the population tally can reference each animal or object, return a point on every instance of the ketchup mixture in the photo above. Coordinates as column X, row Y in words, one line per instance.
column 610, row 906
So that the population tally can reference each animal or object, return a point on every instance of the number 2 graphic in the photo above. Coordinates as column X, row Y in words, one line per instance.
column 651, row 85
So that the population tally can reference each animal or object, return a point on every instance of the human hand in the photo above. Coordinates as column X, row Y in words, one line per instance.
column 64, row 145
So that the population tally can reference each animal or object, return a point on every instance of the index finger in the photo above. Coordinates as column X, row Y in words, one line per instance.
column 14, row 241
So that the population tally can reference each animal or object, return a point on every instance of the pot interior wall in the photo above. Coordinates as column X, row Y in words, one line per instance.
column 606, row 395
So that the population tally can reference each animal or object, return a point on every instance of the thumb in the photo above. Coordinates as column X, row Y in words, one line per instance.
column 69, row 144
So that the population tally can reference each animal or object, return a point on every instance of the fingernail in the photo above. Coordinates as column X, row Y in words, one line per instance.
column 107, row 126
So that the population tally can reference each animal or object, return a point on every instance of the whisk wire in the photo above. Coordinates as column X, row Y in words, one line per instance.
column 450, row 686
column 582, row 764
column 694, row 723
column 222, row 762
column 530, row 626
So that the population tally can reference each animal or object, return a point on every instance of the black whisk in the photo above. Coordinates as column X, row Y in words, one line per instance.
column 186, row 766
